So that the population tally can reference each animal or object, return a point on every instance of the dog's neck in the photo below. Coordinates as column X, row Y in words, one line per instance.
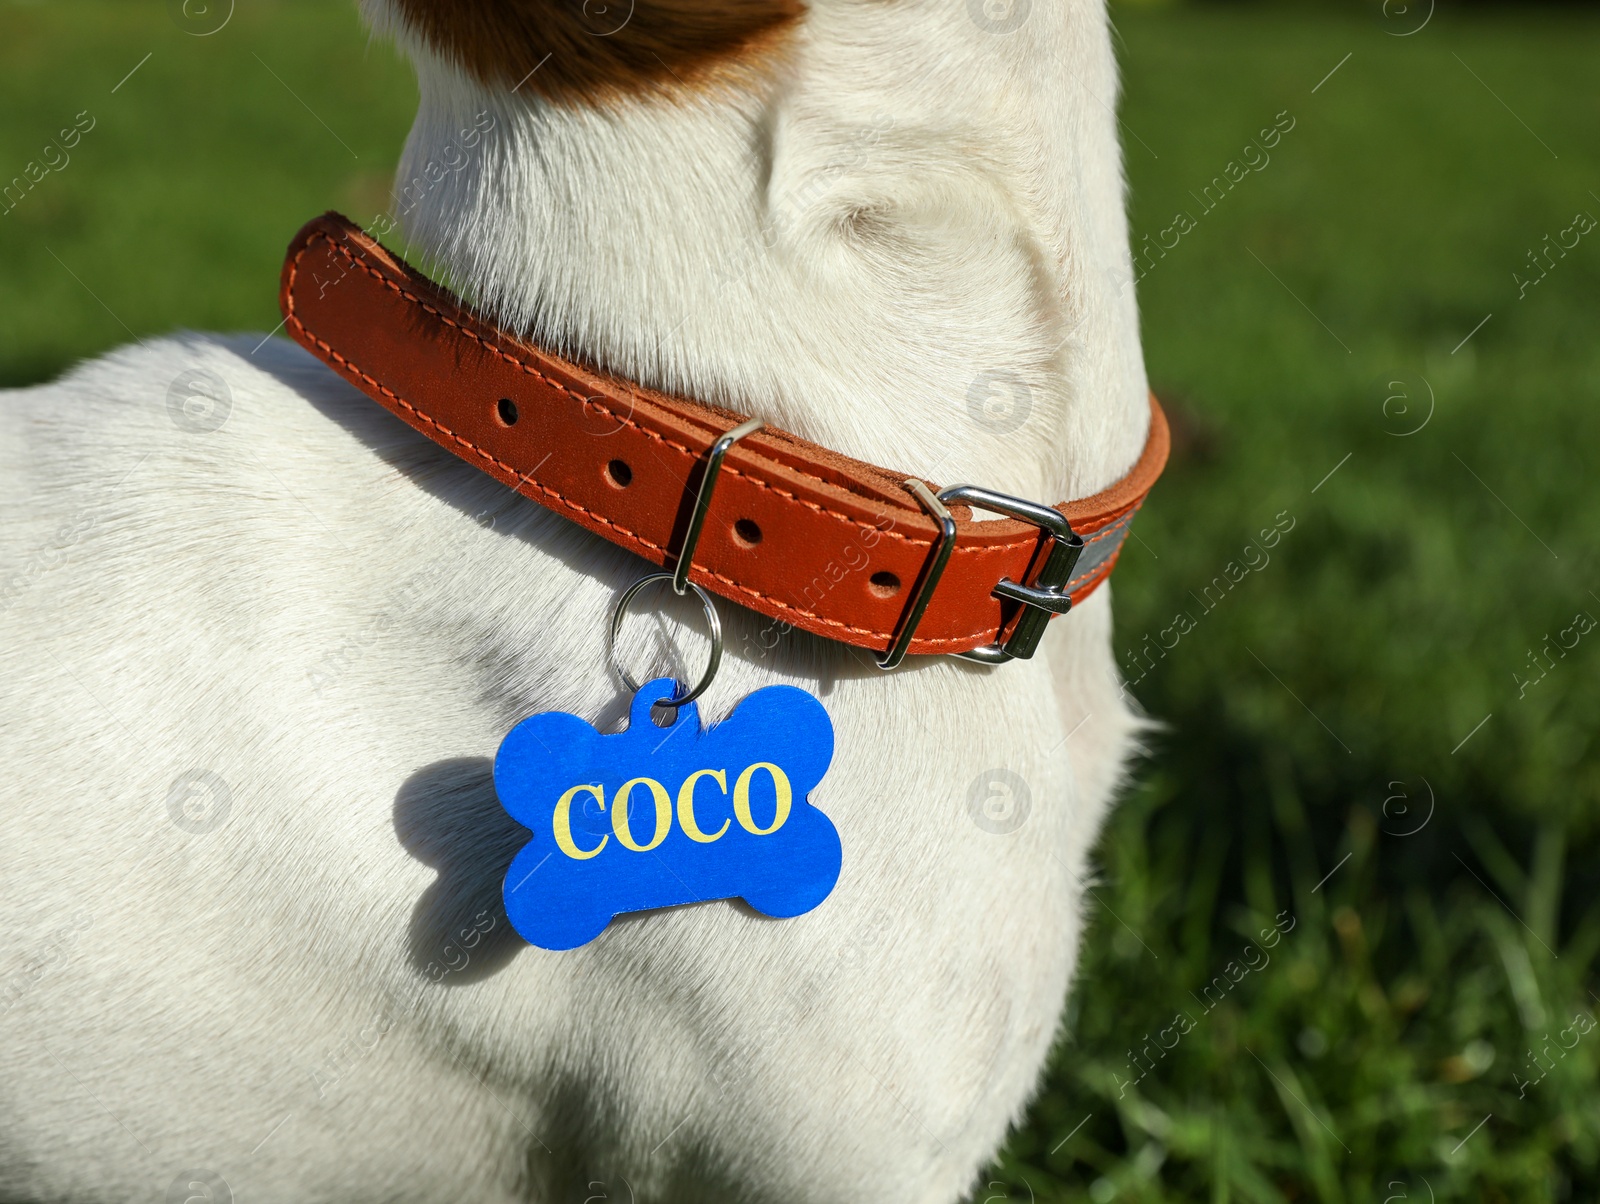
column 900, row 235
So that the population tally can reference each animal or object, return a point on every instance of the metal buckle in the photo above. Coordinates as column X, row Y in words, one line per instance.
column 1040, row 600
column 1045, row 597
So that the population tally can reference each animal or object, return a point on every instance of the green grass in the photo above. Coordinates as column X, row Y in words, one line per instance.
column 176, row 207
column 1312, row 710
column 1345, row 671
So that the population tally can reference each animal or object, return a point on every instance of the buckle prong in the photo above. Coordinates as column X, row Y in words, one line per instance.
column 1045, row 597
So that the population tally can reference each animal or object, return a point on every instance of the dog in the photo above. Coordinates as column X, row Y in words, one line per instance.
column 260, row 641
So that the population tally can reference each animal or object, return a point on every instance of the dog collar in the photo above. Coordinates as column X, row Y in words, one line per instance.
column 804, row 535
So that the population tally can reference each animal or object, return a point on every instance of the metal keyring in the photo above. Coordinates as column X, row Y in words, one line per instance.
column 712, row 620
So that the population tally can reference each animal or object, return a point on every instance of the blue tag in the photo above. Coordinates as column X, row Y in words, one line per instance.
column 657, row 817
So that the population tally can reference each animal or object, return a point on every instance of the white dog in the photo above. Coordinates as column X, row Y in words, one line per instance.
column 258, row 641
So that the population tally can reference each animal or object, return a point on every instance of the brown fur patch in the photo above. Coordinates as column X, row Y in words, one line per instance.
column 588, row 50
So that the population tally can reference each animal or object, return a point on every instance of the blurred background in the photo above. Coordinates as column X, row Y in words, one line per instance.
column 1343, row 945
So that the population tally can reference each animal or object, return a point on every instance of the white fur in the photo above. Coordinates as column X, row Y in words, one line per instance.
column 341, row 621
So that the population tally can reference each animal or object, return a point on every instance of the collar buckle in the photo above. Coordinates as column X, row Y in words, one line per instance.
column 1044, row 597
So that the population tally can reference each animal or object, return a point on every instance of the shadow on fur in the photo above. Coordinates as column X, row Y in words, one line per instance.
column 603, row 1156
column 447, row 816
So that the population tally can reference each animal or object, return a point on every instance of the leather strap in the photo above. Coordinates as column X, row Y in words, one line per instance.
column 813, row 539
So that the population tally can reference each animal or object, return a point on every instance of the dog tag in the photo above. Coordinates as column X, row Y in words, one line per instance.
column 659, row 817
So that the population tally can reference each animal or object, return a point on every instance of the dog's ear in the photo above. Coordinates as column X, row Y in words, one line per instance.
column 589, row 51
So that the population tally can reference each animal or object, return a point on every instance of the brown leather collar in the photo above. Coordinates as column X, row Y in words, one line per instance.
column 813, row 539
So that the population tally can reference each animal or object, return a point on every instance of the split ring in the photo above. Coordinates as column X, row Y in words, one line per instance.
column 712, row 621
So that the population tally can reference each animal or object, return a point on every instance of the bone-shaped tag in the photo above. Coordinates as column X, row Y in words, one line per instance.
column 657, row 817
